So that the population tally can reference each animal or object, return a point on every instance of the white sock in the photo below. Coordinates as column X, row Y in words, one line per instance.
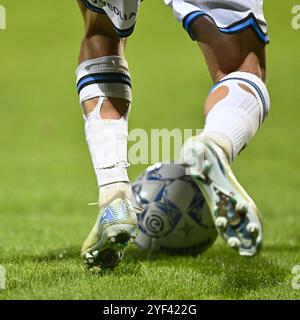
column 234, row 120
column 107, row 141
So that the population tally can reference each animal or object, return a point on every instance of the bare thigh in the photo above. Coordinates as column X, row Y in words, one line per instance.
column 229, row 53
column 100, row 40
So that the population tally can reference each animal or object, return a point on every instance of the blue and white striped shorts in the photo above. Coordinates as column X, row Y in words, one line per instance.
column 122, row 13
column 230, row 16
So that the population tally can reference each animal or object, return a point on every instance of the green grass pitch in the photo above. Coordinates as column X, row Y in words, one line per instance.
column 47, row 179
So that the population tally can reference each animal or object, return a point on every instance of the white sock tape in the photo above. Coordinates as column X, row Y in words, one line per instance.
column 107, row 141
column 104, row 77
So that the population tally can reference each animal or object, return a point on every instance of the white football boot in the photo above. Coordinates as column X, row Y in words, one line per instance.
column 234, row 212
column 115, row 227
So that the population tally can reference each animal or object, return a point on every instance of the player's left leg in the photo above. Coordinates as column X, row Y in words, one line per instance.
column 235, row 109
column 104, row 87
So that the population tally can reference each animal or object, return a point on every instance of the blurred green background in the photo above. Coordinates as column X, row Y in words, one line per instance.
column 46, row 177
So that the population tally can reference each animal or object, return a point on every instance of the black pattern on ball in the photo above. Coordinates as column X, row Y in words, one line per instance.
column 154, row 224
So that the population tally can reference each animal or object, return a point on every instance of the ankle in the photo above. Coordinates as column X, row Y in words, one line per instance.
column 113, row 191
column 222, row 142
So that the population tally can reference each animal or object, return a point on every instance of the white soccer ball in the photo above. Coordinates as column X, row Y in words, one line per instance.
column 175, row 217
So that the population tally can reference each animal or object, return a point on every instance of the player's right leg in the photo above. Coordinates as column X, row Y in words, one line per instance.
column 235, row 109
column 104, row 87
column 232, row 36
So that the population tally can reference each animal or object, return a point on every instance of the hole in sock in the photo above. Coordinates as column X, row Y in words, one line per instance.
column 114, row 108
column 110, row 108
column 215, row 97
column 90, row 105
column 247, row 89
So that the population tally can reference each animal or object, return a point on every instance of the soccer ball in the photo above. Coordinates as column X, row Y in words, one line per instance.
column 175, row 217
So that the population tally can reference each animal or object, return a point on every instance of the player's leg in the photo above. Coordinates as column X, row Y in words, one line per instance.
column 237, row 64
column 104, row 87
column 234, row 110
column 233, row 44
